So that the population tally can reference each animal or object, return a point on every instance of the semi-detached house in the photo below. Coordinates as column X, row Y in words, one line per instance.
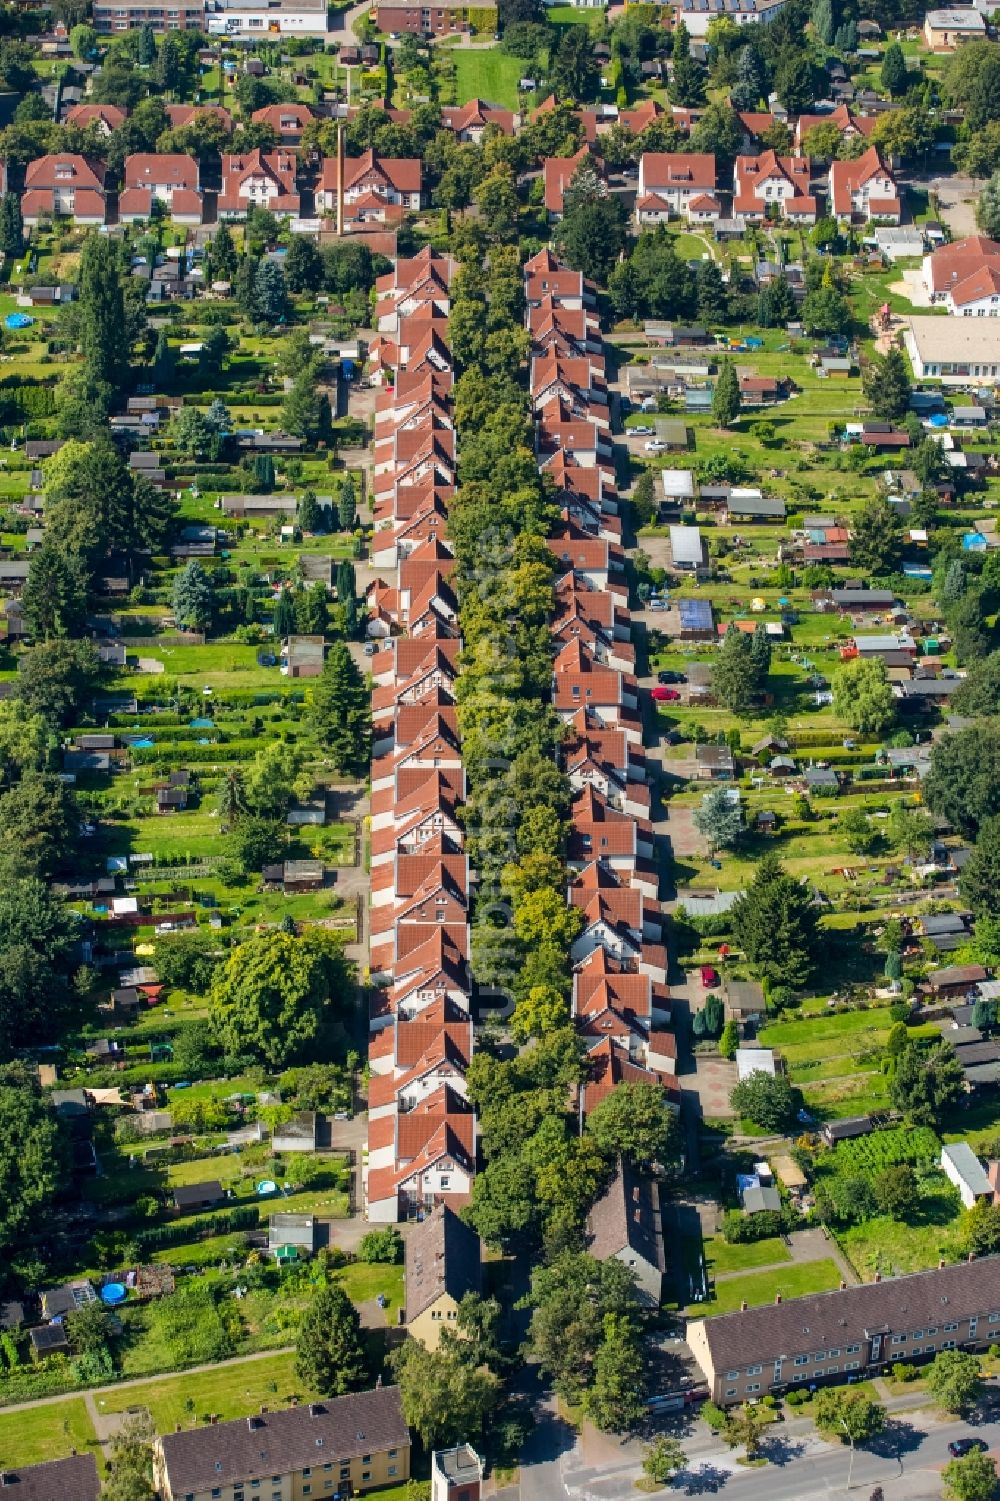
column 773, row 186
column 258, row 179
column 619, row 959
column 168, row 180
column 676, row 183
column 64, row 185
column 864, row 189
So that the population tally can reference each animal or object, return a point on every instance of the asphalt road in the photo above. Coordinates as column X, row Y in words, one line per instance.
column 906, row 1461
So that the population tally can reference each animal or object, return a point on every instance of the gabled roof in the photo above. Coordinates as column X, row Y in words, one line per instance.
column 443, row 1259
column 64, row 169
column 400, row 172
column 678, row 169
column 171, row 170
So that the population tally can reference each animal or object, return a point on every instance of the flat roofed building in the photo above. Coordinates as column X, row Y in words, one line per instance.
column 254, row 18
column 128, row 15
column 687, row 550
column 456, row 1474
column 953, row 350
column 855, row 1331
column 944, row 30
column 360, row 1442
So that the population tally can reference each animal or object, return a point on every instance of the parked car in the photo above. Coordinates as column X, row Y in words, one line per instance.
column 960, row 1446
column 655, row 445
column 665, row 695
column 370, row 648
column 671, row 677
column 642, row 432
column 709, row 977
column 659, row 604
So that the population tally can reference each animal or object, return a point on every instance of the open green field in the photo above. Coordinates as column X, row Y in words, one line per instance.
column 487, row 74
column 794, row 1281
column 52, row 1431
column 229, row 1391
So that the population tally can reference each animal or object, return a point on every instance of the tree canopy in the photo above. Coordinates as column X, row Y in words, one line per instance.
column 775, row 922
column 274, row 993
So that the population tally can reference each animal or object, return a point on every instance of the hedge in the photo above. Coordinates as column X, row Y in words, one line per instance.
column 246, row 1217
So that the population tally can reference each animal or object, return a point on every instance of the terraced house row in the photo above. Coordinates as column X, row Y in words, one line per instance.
column 620, row 999
column 422, row 1131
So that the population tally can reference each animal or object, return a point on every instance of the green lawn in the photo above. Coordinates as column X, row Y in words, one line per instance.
column 722, row 1257
column 35, row 1434
column 362, row 1283
column 230, row 1391
column 487, row 74
column 757, row 1288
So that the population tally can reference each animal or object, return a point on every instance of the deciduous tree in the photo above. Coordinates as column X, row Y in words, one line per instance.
column 954, row 1380
column 863, row 696
column 274, row 993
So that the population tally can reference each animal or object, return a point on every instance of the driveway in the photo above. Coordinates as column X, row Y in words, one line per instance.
column 711, row 1087
column 956, row 197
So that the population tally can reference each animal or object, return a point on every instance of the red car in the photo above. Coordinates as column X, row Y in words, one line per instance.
column 665, row 695
column 709, row 977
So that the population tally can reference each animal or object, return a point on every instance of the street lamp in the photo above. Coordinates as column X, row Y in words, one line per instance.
column 850, row 1440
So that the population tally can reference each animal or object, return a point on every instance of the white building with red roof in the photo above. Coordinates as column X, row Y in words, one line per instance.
column 64, row 185
column 965, row 277
column 169, row 180
column 864, row 189
column 377, row 189
column 258, row 179
column 676, row 183
column 772, row 186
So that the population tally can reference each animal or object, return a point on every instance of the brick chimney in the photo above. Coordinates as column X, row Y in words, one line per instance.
column 993, row 1174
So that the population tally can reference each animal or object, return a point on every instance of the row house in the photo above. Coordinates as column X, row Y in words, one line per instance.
column 421, row 1127
column 621, row 1006
column 547, row 279
column 413, row 283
